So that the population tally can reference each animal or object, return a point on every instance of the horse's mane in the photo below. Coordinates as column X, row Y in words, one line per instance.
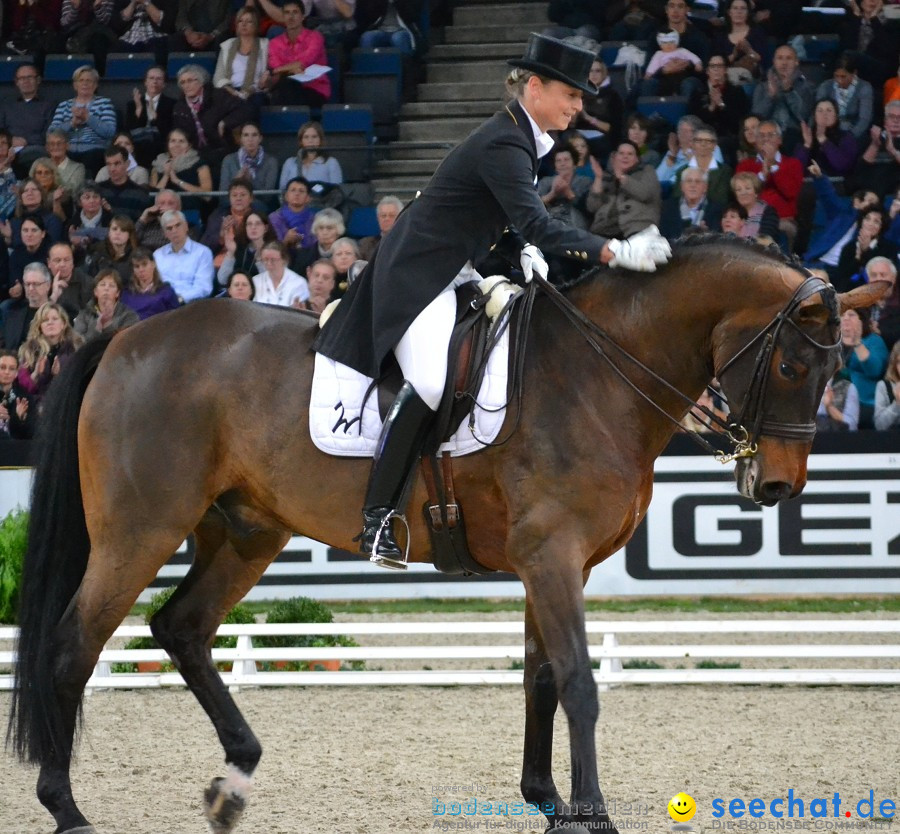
column 688, row 243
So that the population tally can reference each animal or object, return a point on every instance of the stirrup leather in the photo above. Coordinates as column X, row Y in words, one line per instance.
column 387, row 561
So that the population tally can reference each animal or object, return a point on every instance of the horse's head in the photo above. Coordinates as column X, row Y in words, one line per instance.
column 775, row 383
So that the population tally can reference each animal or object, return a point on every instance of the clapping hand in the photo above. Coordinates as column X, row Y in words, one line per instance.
column 21, row 407
column 895, row 207
column 806, row 130
column 39, row 369
column 673, row 144
column 814, row 168
column 228, row 238
column 59, row 284
column 851, row 331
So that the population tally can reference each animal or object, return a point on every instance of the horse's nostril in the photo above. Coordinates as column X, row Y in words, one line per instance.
column 773, row 491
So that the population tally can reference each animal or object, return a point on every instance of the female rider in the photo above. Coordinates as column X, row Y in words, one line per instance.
column 404, row 300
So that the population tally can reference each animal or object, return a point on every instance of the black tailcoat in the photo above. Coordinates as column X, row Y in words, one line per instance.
column 483, row 185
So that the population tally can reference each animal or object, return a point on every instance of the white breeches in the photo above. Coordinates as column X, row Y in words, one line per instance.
column 422, row 351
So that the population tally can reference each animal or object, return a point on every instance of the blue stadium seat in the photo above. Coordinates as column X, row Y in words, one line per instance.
column 382, row 92
column 814, row 71
column 821, row 48
column 61, row 67
column 8, row 66
column 275, row 120
column 363, row 222
column 126, row 66
column 348, row 118
column 378, row 61
column 177, row 60
column 671, row 108
column 335, row 60
column 350, row 134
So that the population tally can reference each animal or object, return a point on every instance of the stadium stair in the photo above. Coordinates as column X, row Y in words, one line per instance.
column 464, row 86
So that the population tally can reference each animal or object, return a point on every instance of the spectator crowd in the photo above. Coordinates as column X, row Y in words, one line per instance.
column 109, row 215
column 802, row 154
column 108, row 218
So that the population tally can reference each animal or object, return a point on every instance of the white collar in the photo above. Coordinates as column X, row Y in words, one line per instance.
column 543, row 141
column 759, row 157
column 712, row 165
column 186, row 248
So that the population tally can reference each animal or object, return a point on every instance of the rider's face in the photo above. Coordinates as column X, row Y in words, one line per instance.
column 552, row 104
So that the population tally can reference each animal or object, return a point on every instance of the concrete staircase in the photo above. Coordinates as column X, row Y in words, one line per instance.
column 464, row 86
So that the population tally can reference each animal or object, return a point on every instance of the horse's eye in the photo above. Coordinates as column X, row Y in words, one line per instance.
column 787, row 371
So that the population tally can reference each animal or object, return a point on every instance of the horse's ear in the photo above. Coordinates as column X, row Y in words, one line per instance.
column 864, row 296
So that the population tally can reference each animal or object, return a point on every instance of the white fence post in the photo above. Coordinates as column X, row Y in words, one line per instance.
column 609, row 665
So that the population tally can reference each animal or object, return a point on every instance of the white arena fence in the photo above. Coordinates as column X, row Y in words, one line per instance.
column 603, row 643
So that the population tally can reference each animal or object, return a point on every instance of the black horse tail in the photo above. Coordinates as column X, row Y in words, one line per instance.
column 55, row 562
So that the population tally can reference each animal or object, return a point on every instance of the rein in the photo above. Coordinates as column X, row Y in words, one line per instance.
column 744, row 441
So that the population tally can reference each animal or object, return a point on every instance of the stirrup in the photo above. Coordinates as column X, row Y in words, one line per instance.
column 387, row 561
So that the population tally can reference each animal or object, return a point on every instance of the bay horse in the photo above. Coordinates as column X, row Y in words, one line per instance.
column 196, row 422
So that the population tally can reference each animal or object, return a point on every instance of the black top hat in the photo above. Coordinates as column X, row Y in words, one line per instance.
column 561, row 61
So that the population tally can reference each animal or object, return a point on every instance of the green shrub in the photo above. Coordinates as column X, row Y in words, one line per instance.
column 297, row 610
column 13, row 542
column 238, row 615
column 304, row 610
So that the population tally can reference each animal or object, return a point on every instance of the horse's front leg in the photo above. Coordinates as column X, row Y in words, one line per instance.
column 553, row 584
column 538, row 787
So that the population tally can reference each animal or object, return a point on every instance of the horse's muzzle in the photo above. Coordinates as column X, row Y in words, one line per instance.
column 752, row 484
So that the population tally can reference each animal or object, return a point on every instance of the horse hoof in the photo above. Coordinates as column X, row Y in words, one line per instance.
column 222, row 808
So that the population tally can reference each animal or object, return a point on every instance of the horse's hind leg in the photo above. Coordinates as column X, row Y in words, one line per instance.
column 103, row 600
column 541, row 700
column 227, row 564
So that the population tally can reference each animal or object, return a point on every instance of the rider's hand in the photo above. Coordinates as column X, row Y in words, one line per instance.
column 532, row 261
column 641, row 252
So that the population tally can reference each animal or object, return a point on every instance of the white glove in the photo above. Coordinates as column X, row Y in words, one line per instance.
column 641, row 252
column 532, row 260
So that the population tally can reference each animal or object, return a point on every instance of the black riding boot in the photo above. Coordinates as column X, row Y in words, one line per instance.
column 402, row 437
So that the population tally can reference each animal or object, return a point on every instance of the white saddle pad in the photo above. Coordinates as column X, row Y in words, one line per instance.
column 338, row 428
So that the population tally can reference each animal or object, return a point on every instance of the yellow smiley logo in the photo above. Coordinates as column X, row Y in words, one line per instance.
column 682, row 807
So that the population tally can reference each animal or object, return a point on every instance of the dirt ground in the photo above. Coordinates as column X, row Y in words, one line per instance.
column 377, row 760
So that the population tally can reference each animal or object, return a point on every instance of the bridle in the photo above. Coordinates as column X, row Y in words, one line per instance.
column 750, row 416
column 744, row 429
